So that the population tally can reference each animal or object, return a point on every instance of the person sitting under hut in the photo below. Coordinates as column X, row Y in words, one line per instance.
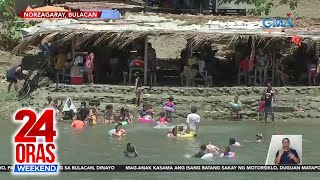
column 235, row 108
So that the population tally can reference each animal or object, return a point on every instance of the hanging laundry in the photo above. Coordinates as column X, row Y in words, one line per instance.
column 297, row 40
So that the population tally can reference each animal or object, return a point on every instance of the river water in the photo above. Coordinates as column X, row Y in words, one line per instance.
column 92, row 146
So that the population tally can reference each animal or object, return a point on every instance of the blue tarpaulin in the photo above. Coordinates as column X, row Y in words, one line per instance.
column 110, row 14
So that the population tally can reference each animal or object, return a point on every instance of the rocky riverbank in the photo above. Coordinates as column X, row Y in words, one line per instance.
column 292, row 102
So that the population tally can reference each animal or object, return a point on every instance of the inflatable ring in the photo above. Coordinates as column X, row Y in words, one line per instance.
column 113, row 133
column 231, row 155
column 236, row 106
column 207, row 156
column 190, row 135
column 145, row 120
column 124, row 123
column 167, row 108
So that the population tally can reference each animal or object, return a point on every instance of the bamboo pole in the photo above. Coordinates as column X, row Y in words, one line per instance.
column 73, row 50
column 145, row 75
column 273, row 64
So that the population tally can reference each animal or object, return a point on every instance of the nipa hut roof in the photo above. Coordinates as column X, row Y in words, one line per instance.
column 123, row 32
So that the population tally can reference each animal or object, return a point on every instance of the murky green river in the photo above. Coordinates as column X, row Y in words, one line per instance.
column 92, row 146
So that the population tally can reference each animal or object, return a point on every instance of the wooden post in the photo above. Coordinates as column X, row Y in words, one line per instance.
column 145, row 6
column 145, row 75
column 273, row 65
column 73, row 50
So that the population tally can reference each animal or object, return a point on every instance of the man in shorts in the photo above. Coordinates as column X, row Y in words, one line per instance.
column 269, row 94
column 14, row 74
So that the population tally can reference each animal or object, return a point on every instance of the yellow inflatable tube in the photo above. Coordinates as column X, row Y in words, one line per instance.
column 190, row 135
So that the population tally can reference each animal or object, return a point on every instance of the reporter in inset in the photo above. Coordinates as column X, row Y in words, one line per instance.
column 286, row 155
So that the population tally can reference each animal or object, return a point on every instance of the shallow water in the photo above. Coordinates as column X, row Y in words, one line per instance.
column 92, row 146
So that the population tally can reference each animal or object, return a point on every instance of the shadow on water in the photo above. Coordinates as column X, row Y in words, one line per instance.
column 92, row 145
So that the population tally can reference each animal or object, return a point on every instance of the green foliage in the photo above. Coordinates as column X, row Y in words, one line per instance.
column 10, row 34
column 264, row 6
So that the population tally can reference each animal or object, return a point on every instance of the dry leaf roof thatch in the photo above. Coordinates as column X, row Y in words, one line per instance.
column 124, row 38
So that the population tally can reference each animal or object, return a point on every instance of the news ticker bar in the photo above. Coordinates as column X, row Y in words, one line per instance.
column 40, row 168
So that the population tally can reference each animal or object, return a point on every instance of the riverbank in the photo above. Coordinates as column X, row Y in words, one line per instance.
column 212, row 103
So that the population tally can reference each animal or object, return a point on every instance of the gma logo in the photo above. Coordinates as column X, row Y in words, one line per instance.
column 277, row 23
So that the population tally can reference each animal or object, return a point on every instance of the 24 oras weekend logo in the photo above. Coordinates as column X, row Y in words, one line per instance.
column 34, row 147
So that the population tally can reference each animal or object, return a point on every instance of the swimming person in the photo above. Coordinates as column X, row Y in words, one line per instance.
column 193, row 120
column 130, row 151
column 93, row 116
column 77, row 122
column 233, row 142
column 144, row 111
column 202, row 151
column 109, row 115
column 286, row 155
column 259, row 138
column 183, row 131
column 125, row 115
column 174, row 132
column 162, row 119
column 210, row 148
column 227, row 153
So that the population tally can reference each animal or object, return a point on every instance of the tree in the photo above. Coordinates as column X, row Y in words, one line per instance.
column 264, row 6
column 10, row 34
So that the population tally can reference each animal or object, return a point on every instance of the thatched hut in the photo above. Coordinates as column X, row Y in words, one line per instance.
column 225, row 36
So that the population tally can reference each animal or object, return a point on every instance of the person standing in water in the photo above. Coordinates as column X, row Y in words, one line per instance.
column 235, row 108
column 193, row 120
column 138, row 89
column 169, row 108
column 269, row 99
column 286, row 155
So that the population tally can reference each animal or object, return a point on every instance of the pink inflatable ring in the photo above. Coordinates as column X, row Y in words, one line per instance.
column 145, row 120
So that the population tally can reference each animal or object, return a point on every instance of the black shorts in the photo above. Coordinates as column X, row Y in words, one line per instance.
column 11, row 79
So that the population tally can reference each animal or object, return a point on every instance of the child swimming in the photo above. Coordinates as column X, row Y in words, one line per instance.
column 125, row 115
column 130, row 151
column 93, row 116
column 162, row 118
column 174, row 132
column 181, row 130
column 109, row 115
column 146, row 111
column 259, row 138
column 227, row 153
column 233, row 142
